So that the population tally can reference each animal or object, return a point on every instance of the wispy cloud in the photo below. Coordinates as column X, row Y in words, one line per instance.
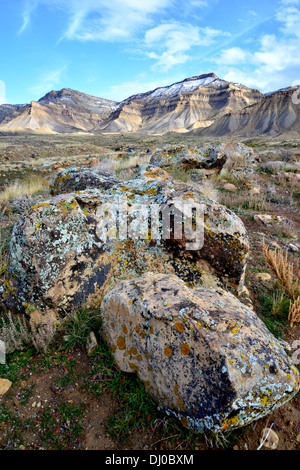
column 105, row 20
column 30, row 6
column 48, row 81
column 276, row 56
column 169, row 43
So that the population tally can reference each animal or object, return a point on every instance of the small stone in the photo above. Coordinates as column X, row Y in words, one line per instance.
column 269, row 439
column 293, row 248
column 91, row 343
column 230, row 187
column 21, row 447
column 264, row 276
column 5, row 385
column 33, row 404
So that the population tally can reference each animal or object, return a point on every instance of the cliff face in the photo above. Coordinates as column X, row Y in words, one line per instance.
column 203, row 105
column 276, row 113
column 59, row 111
column 181, row 107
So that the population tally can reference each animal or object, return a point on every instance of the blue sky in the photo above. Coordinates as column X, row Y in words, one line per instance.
column 116, row 48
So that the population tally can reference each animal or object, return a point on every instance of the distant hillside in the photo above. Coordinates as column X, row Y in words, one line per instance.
column 203, row 105
column 59, row 111
column 275, row 114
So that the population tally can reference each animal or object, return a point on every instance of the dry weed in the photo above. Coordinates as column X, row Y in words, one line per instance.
column 17, row 333
column 288, row 277
column 23, row 188
column 294, row 312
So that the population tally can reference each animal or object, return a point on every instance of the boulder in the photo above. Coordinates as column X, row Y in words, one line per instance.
column 68, row 249
column 207, row 159
column 274, row 220
column 203, row 356
column 80, row 178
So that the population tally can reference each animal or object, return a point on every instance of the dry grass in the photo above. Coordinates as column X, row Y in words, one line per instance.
column 294, row 312
column 17, row 333
column 25, row 187
column 287, row 274
column 256, row 202
column 207, row 188
column 130, row 162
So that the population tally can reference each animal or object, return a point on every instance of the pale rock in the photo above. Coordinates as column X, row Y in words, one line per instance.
column 264, row 276
column 230, row 187
column 203, row 356
column 5, row 385
column 293, row 248
column 269, row 439
column 91, row 343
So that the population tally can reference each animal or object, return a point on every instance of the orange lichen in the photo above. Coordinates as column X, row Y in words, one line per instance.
column 121, row 342
column 168, row 352
column 132, row 350
column 185, row 349
column 179, row 327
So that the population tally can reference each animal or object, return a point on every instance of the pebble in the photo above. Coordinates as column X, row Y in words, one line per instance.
column 271, row 442
column 5, row 385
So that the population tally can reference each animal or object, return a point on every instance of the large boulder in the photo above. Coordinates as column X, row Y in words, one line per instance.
column 186, row 157
column 66, row 250
column 73, row 179
column 203, row 356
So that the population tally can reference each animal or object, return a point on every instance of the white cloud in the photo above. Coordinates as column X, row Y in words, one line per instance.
column 48, row 81
column 276, row 60
column 105, row 20
column 2, row 92
column 170, row 42
column 233, row 56
column 30, row 6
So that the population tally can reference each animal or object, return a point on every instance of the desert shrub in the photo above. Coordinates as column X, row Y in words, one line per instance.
column 287, row 274
column 288, row 156
column 207, row 188
column 272, row 167
column 79, row 324
column 18, row 334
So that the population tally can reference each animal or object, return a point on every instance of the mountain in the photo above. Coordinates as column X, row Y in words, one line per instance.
column 277, row 113
column 58, row 111
column 181, row 107
column 203, row 105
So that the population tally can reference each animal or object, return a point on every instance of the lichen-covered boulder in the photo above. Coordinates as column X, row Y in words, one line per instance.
column 186, row 157
column 79, row 178
column 65, row 250
column 203, row 356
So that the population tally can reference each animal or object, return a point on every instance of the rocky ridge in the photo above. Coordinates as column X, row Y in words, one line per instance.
column 202, row 105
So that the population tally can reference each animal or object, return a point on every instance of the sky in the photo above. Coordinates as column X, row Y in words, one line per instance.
column 116, row 48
